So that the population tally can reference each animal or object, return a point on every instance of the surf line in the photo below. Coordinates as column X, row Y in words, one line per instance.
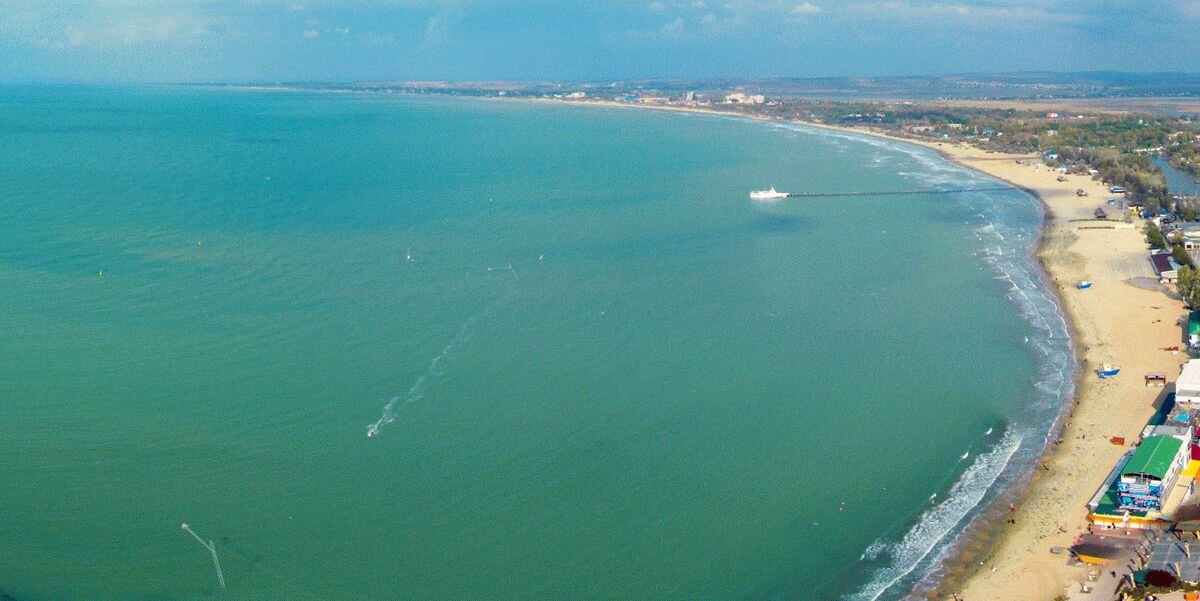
column 435, row 369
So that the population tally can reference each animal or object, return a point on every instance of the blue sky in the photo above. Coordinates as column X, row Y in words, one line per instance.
column 269, row 40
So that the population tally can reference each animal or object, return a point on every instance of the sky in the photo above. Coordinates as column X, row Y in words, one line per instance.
column 583, row 40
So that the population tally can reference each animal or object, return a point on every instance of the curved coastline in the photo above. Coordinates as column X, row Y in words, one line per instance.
column 991, row 558
column 984, row 528
column 1050, row 502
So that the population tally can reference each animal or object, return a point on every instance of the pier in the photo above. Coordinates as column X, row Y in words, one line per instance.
column 898, row 192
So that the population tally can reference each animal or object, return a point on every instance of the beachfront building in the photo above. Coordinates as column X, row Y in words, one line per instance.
column 1189, row 236
column 1150, row 474
column 1187, row 387
column 1150, row 482
column 1165, row 267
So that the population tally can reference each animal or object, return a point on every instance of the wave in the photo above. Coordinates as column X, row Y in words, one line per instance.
column 1003, row 238
column 939, row 521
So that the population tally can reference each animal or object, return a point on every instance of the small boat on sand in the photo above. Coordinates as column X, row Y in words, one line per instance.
column 1108, row 371
column 1084, row 285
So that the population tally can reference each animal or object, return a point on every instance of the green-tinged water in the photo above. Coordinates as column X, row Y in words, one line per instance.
column 614, row 376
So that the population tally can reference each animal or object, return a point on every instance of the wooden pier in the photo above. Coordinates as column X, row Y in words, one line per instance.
column 898, row 192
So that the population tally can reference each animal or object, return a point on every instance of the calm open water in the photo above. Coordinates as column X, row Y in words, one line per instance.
column 597, row 369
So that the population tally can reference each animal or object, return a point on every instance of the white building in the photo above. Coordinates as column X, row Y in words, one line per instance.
column 1187, row 387
column 740, row 98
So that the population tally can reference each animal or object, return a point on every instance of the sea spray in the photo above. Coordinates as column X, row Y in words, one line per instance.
column 902, row 557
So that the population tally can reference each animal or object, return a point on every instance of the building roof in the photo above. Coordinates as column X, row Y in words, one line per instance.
column 1188, row 383
column 1161, row 263
column 1153, row 457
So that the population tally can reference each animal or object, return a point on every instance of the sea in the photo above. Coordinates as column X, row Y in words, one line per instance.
column 373, row 346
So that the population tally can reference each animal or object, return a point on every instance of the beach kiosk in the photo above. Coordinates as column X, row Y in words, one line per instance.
column 1187, row 387
column 1147, row 478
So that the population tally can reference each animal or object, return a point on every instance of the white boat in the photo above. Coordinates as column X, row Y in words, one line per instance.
column 767, row 194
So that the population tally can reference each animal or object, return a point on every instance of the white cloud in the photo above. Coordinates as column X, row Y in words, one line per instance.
column 437, row 27
column 805, row 8
column 656, row 7
column 342, row 30
column 297, row 8
column 714, row 25
column 311, row 33
column 987, row 14
column 132, row 31
column 674, row 29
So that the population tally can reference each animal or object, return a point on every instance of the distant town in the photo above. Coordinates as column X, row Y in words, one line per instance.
column 1118, row 128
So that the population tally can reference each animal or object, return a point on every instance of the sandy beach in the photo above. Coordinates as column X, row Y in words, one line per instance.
column 1125, row 319
column 1121, row 320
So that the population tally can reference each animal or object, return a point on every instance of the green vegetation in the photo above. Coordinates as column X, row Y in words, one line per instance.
column 1181, row 256
column 1155, row 237
column 1189, row 286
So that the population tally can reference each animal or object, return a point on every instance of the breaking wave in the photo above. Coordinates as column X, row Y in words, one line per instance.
column 1003, row 238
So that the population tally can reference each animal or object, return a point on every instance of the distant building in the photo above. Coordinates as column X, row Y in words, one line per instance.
column 740, row 98
column 576, row 95
column 689, row 97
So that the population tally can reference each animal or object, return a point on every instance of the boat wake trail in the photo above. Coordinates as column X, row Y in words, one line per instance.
column 939, row 521
column 424, row 381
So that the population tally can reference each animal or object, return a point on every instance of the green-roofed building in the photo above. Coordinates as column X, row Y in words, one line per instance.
column 1151, row 472
column 1193, row 330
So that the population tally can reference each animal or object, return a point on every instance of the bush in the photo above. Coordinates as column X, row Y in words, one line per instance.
column 1181, row 256
column 1155, row 237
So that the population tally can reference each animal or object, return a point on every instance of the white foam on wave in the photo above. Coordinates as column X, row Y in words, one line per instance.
column 938, row 522
column 1003, row 238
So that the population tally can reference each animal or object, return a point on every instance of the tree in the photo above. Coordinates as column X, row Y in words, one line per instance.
column 1189, row 286
column 1181, row 256
column 1155, row 236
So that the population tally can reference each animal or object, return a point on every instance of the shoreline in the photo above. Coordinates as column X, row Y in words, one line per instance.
column 1106, row 324
column 1051, row 502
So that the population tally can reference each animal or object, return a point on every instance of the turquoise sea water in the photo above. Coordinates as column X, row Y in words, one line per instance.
column 598, row 370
